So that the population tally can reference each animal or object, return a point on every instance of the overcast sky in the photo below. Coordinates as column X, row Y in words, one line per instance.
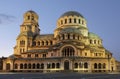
column 103, row 18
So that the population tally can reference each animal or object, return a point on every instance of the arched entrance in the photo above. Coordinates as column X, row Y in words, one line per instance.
column 66, row 65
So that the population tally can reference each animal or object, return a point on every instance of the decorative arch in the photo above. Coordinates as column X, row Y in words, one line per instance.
column 68, row 51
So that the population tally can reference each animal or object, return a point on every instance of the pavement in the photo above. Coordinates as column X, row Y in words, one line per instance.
column 58, row 76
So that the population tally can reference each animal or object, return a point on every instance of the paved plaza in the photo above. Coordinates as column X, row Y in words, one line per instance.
column 57, row 76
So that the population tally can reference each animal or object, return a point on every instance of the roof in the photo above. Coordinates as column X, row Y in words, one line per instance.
column 38, row 51
column 71, row 13
column 45, row 36
column 93, row 35
column 70, row 30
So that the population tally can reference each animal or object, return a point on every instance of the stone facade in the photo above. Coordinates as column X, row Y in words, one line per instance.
column 71, row 47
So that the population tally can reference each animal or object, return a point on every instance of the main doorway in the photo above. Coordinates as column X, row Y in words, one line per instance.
column 66, row 65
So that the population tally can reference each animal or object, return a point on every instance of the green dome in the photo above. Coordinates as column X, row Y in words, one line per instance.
column 72, row 13
column 70, row 30
column 93, row 35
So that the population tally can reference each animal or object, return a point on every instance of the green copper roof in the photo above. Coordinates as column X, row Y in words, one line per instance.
column 70, row 30
column 93, row 35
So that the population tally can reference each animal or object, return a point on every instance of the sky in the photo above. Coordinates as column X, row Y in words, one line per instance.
column 103, row 18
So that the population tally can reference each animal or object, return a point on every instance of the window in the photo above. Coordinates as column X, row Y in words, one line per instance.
column 34, row 43
column 70, row 20
column 38, row 43
column 85, row 54
column 21, row 66
column 61, row 21
column 33, row 66
column 104, row 65
column 44, row 55
column 51, row 54
column 57, row 65
column 68, row 36
column 76, row 65
column 51, row 42
column 36, row 55
column 22, row 42
column 95, row 66
column 65, row 21
column 32, row 17
column 86, row 65
column 25, row 66
column 46, row 42
column 74, row 20
column 99, row 65
column 79, row 21
column 90, row 41
column 16, row 66
column 29, row 55
column 29, row 66
column 68, row 51
column 53, row 65
column 82, row 22
column 28, row 17
column 48, row 65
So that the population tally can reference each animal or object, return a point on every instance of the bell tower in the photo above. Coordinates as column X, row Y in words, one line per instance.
column 30, row 23
column 28, row 30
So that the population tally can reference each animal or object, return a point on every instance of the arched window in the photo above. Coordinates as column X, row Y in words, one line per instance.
column 82, row 22
column 48, row 65
column 73, row 36
column 86, row 65
column 57, row 65
column 70, row 20
column 95, row 66
column 90, row 41
column 61, row 21
column 53, row 65
column 32, row 18
column 42, row 66
column 76, row 65
column 68, row 36
column 51, row 42
column 38, row 65
column 74, row 20
column 21, row 66
column 46, row 42
column 33, row 66
column 29, row 66
column 38, row 43
column 81, row 65
column 79, row 21
column 16, row 66
column 22, row 43
column 28, row 17
column 65, row 21
column 99, row 66
column 25, row 66
column 63, row 37
column 43, row 43
column 104, row 65
column 68, row 51
column 34, row 43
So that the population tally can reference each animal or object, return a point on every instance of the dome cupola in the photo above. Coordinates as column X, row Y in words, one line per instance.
column 71, row 18
column 71, row 21
column 31, row 16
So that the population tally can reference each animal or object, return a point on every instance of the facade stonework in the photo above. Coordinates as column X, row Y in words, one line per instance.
column 71, row 47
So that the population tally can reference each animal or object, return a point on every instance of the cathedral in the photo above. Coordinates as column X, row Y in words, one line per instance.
column 71, row 47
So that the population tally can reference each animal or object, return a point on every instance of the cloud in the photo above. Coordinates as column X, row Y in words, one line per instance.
column 4, row 18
